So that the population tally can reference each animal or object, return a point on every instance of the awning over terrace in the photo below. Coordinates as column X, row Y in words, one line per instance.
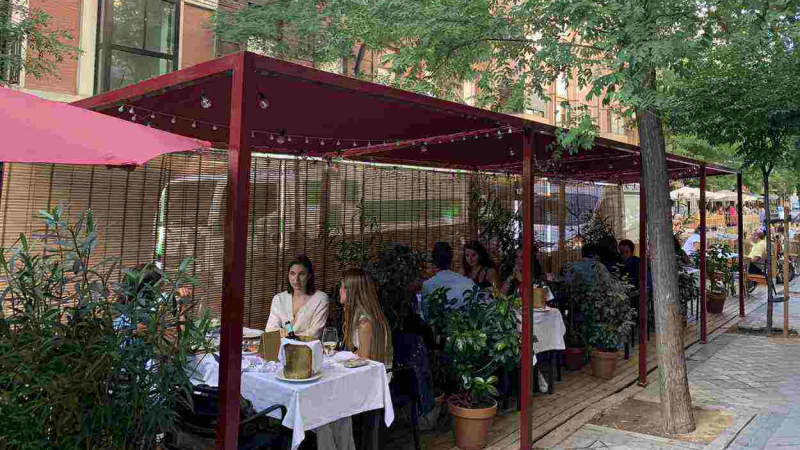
column 36, row 130
column 249, row 103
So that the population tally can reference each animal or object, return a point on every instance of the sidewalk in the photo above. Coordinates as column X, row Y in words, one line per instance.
column 754, row 378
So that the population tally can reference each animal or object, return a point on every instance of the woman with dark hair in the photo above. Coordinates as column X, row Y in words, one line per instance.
column 477, row 265
column 301, row 303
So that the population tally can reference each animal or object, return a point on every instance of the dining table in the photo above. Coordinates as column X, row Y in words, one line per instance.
column 339, row 392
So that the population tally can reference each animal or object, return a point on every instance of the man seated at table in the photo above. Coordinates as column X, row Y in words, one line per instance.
column 631, row 261
column 758, row 254
column 443, row 259
column 689, row 245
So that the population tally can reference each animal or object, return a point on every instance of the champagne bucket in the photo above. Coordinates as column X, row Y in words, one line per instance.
column 538, row 298
column 299, row 363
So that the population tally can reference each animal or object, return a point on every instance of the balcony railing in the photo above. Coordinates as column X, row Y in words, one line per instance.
column 11, row 63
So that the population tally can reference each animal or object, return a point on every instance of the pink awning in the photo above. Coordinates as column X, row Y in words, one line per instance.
column 35, row 130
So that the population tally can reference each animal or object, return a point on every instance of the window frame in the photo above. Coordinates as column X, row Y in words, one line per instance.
column 105, row 34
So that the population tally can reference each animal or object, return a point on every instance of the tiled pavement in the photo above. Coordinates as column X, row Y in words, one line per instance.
column 757, row 320
column 739, row 372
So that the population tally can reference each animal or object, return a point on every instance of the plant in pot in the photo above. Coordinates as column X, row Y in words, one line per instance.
column 719, row 276
column 608, row 317
column 482, row 338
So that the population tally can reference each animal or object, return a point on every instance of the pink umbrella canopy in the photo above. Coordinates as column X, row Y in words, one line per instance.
column 35, row 130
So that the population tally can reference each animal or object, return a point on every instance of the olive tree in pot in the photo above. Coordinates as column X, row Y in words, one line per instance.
column 719, row 276
column 482, row 338
column 608, row 318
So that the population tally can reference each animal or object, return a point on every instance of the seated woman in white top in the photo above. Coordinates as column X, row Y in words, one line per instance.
column 301, row 304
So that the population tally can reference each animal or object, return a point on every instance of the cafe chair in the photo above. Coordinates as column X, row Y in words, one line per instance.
column 197, row 421
column 412, row 380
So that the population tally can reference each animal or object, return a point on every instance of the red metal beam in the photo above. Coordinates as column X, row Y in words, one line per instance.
column 702, row 206
column 153, row 85
column 526, row 367
column 235, row 258
column 642, row 286
column 740, row 233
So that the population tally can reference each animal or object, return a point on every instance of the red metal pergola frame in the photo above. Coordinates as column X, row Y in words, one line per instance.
column 333, row 116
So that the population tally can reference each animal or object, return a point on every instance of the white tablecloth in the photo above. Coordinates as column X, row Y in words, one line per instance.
column 548, row 326
column 341, row 392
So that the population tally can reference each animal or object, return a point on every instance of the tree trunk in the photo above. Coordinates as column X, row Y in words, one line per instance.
column 676, row 401
column 765, row 173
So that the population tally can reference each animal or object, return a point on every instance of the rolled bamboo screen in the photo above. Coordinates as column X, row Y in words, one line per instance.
column 174, row 207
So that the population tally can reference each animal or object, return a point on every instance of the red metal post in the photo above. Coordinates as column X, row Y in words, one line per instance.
column 526, row 367
column 233, row 277
column 740, row 229
column 642, row 287
column 702, row 206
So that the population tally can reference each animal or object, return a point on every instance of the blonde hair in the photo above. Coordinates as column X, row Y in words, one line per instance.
column 362, row 299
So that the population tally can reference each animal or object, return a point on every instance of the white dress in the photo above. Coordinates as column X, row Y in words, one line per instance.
column 311, row 318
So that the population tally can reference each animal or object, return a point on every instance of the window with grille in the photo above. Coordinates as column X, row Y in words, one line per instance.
column 10, row 47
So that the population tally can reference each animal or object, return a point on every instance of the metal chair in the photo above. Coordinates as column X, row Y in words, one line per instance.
column 197, row 423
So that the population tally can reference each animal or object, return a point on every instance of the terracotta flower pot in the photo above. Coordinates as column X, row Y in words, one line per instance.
column 573, row 358
column 715, row 302
column 470, row 426
column 604, row 364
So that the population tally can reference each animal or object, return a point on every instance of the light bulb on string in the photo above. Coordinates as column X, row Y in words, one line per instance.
column 452, row 140
column 499, row 134
column 173, row 119
column 152, row 115
column 194, row 124
column 121, row 108
column 263, row 102
column 214, row 127
column 205, row 102
column 271, row 137
column 306, row 140
column 354, row 144
column 423, row 149
column 338, row 143
column 280, row 139
column 289, row 138
column 322, row 142
column 133, row 118
column 252, row 134
column 476, row 136
column 463, row 138
column 131, row 110
column 511, row 151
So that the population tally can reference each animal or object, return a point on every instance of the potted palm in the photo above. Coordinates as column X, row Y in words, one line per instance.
column 482, row 338
column 719, row 277
column 608, row 318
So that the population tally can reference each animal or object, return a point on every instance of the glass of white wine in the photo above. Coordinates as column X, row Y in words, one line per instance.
column 330, row 339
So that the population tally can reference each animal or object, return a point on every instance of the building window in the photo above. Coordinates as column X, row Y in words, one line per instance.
column 616, row 123
column 535, row 105
column 10, row 48
column 563, row 111
column 137, row 40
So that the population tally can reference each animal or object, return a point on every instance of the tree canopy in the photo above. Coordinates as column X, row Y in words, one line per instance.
column 28, row 42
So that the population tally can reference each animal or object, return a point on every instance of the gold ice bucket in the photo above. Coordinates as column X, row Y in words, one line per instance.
column 299, row 360
column 538, row 298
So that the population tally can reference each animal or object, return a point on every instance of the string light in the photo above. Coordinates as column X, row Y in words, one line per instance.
column 511, row 151
column 423, row 149
column 499, row 134
column 271, row 137
column 205, row 102
column 290, row 139
column 132, row 111
column 121, row 108
column 306, row 140
column 263, row 102
column 281, row 139
column 338, row 143
column 214, row 128
column 194, row 124
column 354, row 144
column 152, row 115
column 253, row 134
column 173, row 119
column 133, row 118
column 322, row 142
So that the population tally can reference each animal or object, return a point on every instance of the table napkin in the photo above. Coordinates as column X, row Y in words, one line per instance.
column 317, row 355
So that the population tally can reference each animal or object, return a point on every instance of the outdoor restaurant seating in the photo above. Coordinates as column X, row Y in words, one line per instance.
column 409, row 378
column 197, row 423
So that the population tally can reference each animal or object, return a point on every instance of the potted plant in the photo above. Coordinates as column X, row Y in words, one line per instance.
column 575, row 344
column 608, row 318
column 719, row 276
column 482, row 338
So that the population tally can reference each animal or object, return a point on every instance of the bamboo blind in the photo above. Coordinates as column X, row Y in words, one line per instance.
column 174, row 207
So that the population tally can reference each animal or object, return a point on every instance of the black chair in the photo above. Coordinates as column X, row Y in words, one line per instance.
column 410, row 374
column 197, row 422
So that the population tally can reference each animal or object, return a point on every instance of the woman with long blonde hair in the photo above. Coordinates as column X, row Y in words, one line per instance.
column 365, row 328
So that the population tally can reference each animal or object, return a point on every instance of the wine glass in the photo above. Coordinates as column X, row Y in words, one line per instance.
column 330, row 339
